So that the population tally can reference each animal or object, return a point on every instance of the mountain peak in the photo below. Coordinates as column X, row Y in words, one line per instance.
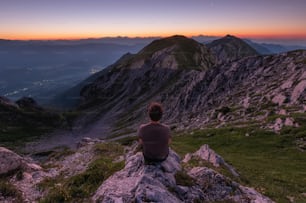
column 178, row 40
column 230, row 36
column 230, row 48
column 175, row 52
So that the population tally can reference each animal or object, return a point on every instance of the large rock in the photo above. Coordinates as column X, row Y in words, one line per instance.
column 7, row 103
column 158, row 183
column 139, row 182
column 146, row 183
column 28, row 102
column 209, row 155
column 217, row 187
column 9, row 161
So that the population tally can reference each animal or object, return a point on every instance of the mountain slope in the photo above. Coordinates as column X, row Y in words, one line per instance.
column 260, row 48
column 136, row 79
column 230, row 48
column 176, row 52
column 172, row 54
column 249, row 88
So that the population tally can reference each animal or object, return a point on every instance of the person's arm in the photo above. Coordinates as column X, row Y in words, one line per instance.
column 170, row 136
column 140, row 141
column 139, row 135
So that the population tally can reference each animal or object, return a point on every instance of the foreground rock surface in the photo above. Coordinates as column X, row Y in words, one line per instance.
column 9, row 161
column 209, row 155
column 138, row 182
column 25, row 175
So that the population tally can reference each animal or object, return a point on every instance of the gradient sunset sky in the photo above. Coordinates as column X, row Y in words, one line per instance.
column 72, row 19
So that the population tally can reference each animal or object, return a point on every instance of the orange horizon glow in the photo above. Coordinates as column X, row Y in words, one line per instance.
column 148, row 35
column 54, row 20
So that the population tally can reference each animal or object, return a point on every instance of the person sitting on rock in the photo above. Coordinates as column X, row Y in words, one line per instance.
column 154, row 137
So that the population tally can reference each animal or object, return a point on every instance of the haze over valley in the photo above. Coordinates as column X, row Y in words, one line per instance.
column 43, row 69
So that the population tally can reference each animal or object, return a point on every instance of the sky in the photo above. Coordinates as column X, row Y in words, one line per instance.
column 75, row 19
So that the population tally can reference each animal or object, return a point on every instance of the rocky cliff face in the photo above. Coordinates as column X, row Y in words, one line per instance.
column 199, row 91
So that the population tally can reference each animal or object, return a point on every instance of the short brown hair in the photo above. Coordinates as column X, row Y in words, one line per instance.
column 155, row 111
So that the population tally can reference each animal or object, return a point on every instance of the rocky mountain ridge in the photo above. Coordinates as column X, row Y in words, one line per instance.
column 243, row 88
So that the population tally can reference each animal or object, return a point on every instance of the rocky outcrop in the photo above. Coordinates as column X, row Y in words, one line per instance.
column 217, row 187
column 9, row 161
column 25, row 174
column 8, row 103
column 209, row 155
column 28, row 103
column 138, row 182
column 279, row 123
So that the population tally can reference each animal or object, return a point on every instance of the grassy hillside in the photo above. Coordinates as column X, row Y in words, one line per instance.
column 271, row 163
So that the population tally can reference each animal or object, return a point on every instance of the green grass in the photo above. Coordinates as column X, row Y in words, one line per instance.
column 15, row 136
column 273, row 117
column 183, row 179
column 20, row 125
column 80, row 187
column 126, row 131
column 270, row 163
column 8, row 190
column 127, row 141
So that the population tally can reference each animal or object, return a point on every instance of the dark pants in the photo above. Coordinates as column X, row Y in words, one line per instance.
column 150, row 161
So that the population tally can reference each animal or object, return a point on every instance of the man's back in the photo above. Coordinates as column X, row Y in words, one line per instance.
column 155, row 139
